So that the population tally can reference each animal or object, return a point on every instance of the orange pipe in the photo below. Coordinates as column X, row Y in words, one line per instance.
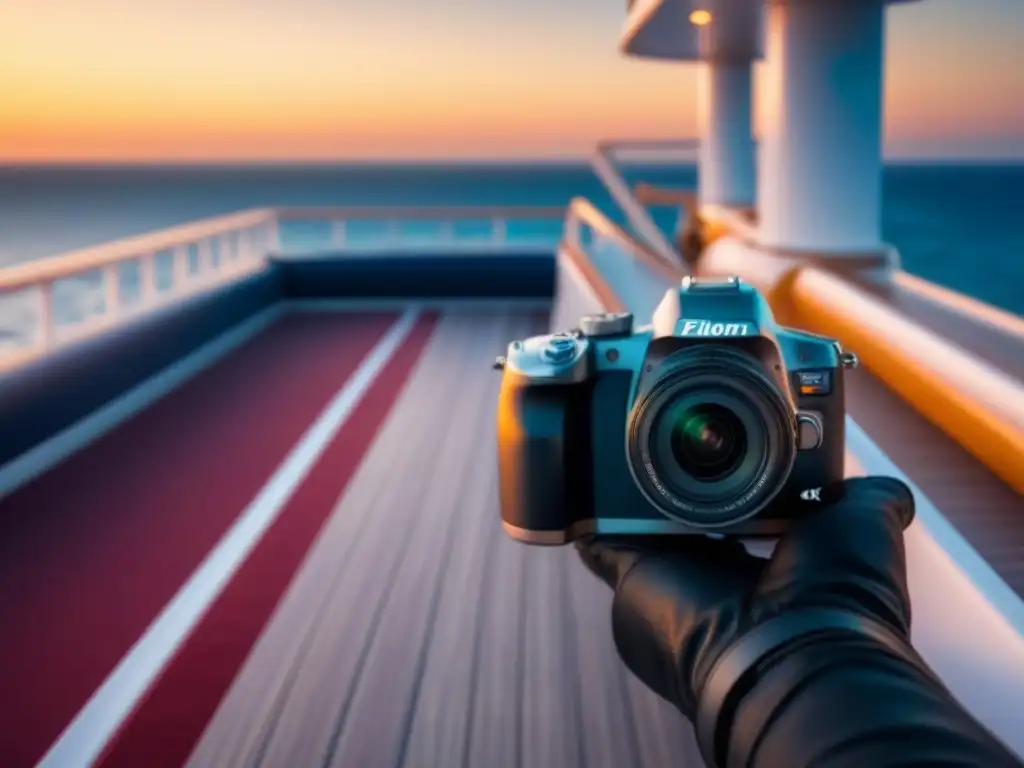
column 973, row 402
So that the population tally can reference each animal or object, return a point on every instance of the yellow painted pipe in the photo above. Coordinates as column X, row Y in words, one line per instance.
column 978, row 405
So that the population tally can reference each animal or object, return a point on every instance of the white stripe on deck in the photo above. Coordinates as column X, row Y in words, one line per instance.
column 56, row 449
column 110, row 706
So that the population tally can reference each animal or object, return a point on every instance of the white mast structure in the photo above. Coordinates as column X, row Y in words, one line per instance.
column 816, row 182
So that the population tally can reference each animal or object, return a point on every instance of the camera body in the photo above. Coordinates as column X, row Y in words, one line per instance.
column 711, row 420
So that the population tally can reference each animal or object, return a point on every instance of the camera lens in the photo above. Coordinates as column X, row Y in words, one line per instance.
column 708, row 441
column 711, row 438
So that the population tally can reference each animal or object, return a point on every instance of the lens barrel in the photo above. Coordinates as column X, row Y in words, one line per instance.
column 712, row 441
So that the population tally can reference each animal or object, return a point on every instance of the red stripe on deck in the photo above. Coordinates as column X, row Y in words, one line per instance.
column 164, row 730
column 92, row 551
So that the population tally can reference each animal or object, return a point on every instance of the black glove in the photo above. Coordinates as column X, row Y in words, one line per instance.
column 682, row 602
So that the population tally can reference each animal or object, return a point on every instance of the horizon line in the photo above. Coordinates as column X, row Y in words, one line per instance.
column 341, row 162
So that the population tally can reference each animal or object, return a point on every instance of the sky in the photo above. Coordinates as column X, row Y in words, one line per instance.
column 193, row 80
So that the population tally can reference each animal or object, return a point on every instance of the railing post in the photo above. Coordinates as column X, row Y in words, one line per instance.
column 499, row 231
column 273, row 243
column 229, row 241
column 338, row 233
column 147, row 279
column 111, row 290
column 241, row 247
column 47, row 322
column 255, row 239
column 244, row 240
column 573, row 230
column 257, row 248
column 207, row 266
column 180, row 267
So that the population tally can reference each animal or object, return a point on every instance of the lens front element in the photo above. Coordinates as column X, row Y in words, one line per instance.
column 708, row 441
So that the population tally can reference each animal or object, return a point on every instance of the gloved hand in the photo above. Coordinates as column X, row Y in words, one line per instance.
column 681, row 601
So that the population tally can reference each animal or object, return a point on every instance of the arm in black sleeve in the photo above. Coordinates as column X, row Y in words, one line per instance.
column 847, row 702
column 801, row 662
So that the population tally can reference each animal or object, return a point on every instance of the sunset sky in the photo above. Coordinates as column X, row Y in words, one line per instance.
column 339, row 79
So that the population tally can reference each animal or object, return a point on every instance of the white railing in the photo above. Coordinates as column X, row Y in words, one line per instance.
column 605, row 165
column 47, row 303
column 326, row 231
column 53, row 301
column 629, row 266
column 585, row 224
column 978, row 311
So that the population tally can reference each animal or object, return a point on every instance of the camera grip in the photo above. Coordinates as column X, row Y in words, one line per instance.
column 537, row 429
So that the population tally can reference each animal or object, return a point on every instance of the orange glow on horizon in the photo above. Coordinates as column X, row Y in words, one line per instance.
column 262, row 79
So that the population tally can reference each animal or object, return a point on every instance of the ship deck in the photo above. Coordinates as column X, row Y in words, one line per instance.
column 381, row 616
column 290, row 554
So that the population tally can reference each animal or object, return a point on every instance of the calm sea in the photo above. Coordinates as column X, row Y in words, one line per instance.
column 960, row 226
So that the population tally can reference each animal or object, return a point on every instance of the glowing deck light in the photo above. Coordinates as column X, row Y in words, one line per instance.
column 700, row 18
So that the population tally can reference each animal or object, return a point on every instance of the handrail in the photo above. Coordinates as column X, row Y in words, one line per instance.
column 636, row 214
column 722, row 219
column 648, row 145
column 979, row 311
column 741, row 224
column 87, row 284
column 652, row 194
column 419, row 212
column 30, row 274
column 974, row 402
column 181, row 260
column 582, row 212
column 598, row 286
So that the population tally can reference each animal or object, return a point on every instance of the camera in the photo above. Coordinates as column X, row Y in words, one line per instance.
column 713, row 419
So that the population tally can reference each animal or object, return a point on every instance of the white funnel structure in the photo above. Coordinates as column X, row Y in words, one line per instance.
column 820, row 174
column 729, row 44
column 724, row 35
column 819, row 169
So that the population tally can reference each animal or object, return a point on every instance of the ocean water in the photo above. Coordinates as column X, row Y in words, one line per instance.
column 958, row 225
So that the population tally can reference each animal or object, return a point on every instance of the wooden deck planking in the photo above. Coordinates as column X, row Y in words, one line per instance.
column 340, row 583
column 417, row 634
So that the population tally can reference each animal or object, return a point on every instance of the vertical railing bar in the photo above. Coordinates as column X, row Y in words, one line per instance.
column 339, row 233
column 242, row 247
column 573, row 228
column 181, row 259
column 448, row 237
column 147, row 280
column 207, row 267
column 250, row 237
column 111, row 290
column 273, row 244
column 499, row 231
column 48, row 329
